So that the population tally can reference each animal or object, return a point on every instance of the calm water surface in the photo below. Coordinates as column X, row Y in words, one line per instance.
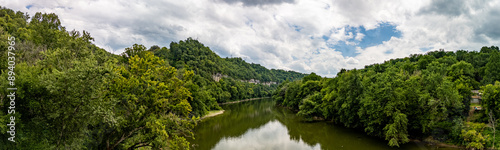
column 260, row 125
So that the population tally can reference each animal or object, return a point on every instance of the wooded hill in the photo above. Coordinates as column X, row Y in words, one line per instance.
column 72, row 94
column 193, row 55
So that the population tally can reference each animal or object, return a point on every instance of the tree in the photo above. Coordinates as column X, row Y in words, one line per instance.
column 136, row 49
column 312, row 77
column 493, row 121
column 396, row 132
column 462, row 74
column 46, row 29
column 492, row 70
column 491, row 49
column 473, row 135
column 311, row 106
column 347, row 103
column 491, row 98
column 75, row 101
column 152, row 106
column 461, row 69
column 60, row 96
column 491, row 102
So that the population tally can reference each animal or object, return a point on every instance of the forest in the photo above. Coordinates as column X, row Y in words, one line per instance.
column 424, row 96
column 71, row 94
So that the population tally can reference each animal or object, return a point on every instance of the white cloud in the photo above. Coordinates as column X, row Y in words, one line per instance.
column 351, row 60
column 359, row 36
column 283, row 34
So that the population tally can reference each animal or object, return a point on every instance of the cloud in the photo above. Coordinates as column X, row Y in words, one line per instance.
column 349, row 40
column 359, row 36
column 258, row 2
column 351, row 60
column 447, row 7
column 490, row 27
column 320, row 36
column 272, row 135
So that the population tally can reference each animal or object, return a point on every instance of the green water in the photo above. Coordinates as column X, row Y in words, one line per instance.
column 260, row 125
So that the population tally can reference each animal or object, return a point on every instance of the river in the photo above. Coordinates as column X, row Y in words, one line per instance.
column 260, row 125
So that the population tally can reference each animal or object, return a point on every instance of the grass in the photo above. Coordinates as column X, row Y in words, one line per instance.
column 474, row 104
column 213, row 112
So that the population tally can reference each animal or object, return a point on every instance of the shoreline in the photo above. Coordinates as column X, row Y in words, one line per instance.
column 437, row 144
column 219, row 112
column 250, row 99
column 213, row 113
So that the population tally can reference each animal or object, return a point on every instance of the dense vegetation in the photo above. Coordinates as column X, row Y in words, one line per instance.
column 420, row 97
column 72, row 94
column 192, row 55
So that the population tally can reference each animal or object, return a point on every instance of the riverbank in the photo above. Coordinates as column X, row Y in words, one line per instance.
column 421, row 144
column 250, row 124
column 251, row 99
column 213, row 113
column 437, row 144
column 218, row 112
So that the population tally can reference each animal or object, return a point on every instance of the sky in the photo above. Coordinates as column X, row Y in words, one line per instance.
column 321, row 36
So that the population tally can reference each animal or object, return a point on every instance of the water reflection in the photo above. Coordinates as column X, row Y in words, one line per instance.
column 273, row 135
column 261, row 125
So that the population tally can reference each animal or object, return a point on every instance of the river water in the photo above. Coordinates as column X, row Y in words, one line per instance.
column 260, row 125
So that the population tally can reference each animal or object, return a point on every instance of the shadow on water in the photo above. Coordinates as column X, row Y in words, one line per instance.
column 261, row 125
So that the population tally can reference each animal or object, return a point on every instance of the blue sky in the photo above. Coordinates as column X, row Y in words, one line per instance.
column 321, row 36
column 372, row 37
column 29, row 6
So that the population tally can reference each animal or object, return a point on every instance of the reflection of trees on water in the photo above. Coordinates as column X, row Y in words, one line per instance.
column 232, row 124
column 239, row 118
column 328, row 135
column 313, row 133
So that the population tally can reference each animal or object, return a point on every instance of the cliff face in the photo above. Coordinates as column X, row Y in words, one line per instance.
column 219, row 76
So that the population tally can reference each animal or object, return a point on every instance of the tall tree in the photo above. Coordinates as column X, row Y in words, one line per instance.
column 491, row 101
column 492, row 70
column 151, row 104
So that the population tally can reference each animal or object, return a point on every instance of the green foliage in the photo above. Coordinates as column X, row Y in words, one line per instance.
column 152, row 105
column 424, row 61
column 491, row 98
column 413, row 97
column 59, row 76
column 74, row 95
column 192, row 55
column 349, row 89
column 311, row 106
column 492, row 70
column 473, row 135
column 311, row 77
column 396, row 132
column 136, row 49
column 491, row 102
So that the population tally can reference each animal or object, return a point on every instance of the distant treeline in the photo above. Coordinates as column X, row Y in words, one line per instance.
column 424, row 96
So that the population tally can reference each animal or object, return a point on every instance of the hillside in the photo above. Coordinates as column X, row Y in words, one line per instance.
column 193, row 55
